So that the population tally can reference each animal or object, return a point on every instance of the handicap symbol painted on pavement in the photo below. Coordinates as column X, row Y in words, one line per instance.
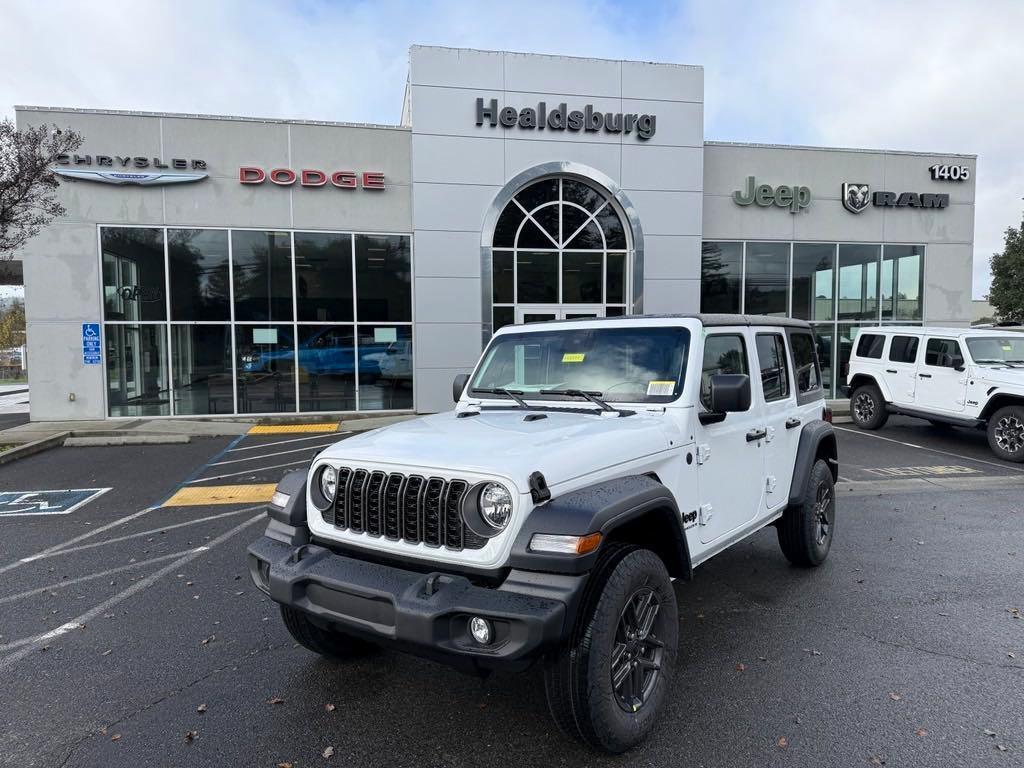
column 64, row 502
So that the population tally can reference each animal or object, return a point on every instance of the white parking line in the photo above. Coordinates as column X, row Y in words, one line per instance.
column 282, row 442
column 247, row 471
column 933, row 450
column 269, row 455
column 100, row 575
column 25, row 646
column 83, row 537
column 139, row 534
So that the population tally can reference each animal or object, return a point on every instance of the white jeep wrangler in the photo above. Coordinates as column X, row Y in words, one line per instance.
column 950, row 376
column 587, row 464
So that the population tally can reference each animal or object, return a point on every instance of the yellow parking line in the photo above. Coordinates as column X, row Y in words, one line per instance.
column 221, row 494
column 285, row 429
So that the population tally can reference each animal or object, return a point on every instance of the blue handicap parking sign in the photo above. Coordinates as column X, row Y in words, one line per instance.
column 91, row 347
column 17, row 503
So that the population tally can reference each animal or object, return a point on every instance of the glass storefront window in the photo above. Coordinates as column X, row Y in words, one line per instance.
column 902, row 282
column 201, row 364
column 137, row 382
column 503, row 316
column 537, row 277
column 327, row 368
column 262, row 264
column 824, row 336
column 383, row 278
column 385, row 367
column 134, row 285
column 813, row 280
column 721, row 274
column 265, row 368
column 767, row 279
column 323, row 277
column 198, row 266
column 858, row 282
column 504, row 281
column 845, row 335
column 582, row 277
column 615, row 289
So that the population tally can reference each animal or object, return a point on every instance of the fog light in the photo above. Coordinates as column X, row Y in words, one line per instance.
column 480, row 629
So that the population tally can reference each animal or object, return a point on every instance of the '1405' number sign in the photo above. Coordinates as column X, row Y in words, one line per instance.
column 950, row 172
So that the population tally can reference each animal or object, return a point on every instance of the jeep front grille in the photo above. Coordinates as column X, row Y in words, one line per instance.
column 402, row 508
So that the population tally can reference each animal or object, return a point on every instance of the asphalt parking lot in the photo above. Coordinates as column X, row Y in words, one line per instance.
column 130, row 634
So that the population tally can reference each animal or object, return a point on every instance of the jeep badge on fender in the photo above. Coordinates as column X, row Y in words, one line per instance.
column 587, row 465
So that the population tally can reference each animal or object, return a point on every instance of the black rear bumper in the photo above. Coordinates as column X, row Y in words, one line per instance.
column 421, row 613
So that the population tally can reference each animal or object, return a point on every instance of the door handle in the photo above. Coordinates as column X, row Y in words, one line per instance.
column 925, row 375
column 756, row 434
column 792, row 423
column 891, row 370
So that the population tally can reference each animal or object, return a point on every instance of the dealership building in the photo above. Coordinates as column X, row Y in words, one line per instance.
column 213, row 265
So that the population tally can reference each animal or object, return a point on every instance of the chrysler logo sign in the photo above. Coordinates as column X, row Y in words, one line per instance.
column 116, row 169
column 129, row 177
column 856, row 197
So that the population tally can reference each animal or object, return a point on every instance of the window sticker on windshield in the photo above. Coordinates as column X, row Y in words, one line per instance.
column 573, row 357
column 1007, row 347
column 660, row 388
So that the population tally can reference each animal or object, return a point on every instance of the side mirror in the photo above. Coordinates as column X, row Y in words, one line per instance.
column 459, row 385
column 730, row 393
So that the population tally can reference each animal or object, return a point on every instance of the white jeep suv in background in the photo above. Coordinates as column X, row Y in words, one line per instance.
column 586, row 465
column 950, row 376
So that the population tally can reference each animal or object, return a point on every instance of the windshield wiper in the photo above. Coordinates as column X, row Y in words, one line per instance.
column 514, row 394
column 594, row 397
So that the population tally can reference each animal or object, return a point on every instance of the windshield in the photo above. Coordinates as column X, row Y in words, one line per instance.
column 997, row 349
column 625, row 365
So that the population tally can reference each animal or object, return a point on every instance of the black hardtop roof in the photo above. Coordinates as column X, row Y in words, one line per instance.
column 708, row 320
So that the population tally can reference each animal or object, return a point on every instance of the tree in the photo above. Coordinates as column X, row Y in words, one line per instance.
column 27, row 185
column 1007, row 291
column 12, row 326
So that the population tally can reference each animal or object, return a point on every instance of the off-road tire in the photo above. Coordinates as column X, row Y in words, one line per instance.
column 578, row 677
column 1006, row 433
column 334, row 645
column 802, row 538
column 867, row 407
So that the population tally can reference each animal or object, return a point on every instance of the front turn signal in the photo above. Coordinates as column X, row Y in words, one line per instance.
column 565, row 545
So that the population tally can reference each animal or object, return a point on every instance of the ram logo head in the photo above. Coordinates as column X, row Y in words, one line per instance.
column 855, row 197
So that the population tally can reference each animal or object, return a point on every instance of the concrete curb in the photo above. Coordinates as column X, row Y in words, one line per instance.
column 36, row 446
column 105, row 440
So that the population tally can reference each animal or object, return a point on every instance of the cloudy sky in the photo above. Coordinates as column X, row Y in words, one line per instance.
column 936, row 75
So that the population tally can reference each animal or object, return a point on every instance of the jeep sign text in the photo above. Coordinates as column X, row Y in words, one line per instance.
column 794, row 198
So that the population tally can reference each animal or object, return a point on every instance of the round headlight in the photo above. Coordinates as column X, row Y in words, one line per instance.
column 495, row 505
column 328, row 482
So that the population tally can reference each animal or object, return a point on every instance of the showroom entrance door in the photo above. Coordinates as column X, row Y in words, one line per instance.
column 540, row 313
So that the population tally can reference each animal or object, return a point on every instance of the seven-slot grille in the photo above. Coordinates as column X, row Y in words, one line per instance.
column 401, row 507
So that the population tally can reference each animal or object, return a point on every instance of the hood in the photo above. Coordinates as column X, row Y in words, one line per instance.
column 562, row 445
column 1011, row 376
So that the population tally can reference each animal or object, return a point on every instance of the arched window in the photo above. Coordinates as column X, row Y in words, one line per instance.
column 560, row 250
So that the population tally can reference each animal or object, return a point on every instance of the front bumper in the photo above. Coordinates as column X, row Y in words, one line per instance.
column 422, row 613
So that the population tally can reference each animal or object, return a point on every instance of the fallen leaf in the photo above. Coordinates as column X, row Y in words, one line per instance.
column 782, row 743
column 201, row 708
column 876, row 760
column 329, row 707
column 895, row 696
column 208, row 640
column 188, row 583
column 285, row 765
column 1001, row 748
column 1011, row 654
column 920, row 732
column 190, row 736
column 107, row 652
column 329, row 752
column 275, row 700
column 988, row 732
column 741, row 667
column 762, row 658
column 116, row 737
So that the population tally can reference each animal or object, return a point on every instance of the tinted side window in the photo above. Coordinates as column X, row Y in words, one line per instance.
column 943, row 353
column 805, row 363
column 771, row 355
column 903, row 349
column 723, row 353
column 870, row 345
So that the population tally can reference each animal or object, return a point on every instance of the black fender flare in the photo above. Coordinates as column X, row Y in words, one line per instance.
column 817, row 440
column 634, row 505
